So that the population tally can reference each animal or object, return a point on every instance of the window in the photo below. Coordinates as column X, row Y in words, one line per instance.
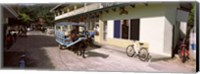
column 104, row 30
column 57, row 27
column 117, row 29
column 65, row 28
column 134, row 29
column 91, row 25
column 127, row 29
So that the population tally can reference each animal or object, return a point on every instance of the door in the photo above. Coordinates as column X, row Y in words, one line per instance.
column 135, row 29
column 104, row 30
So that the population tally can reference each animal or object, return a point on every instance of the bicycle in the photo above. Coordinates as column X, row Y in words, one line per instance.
column 137, row 48
column 183, row 52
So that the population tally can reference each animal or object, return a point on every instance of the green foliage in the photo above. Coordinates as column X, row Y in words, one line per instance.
column 191, row 15
column 38, row 10
column 24, row 17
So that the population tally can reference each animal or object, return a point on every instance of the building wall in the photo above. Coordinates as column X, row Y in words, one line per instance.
column 90, row 7
column 170, row 25
column 140, row 11
column 155, row 23
column 99, row 38
column 110, row 29
column 118, row 42
column 152, row 32
column 6, row 14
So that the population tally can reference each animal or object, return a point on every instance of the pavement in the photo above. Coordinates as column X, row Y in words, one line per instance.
column 42, row 53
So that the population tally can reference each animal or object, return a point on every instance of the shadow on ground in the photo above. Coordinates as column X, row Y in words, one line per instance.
column 91, row 53
column 159, row 59
column 11, row 58
column 96, row 54
column 31, row 46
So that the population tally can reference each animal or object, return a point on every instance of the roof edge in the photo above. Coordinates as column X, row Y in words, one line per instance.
column 55, row 7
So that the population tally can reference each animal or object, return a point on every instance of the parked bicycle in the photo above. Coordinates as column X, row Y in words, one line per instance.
column 183, row 51
column 138, row 49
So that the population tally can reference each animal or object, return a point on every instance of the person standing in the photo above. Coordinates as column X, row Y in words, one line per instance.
column 192, row 44
column 74, row 33
column 96, row 30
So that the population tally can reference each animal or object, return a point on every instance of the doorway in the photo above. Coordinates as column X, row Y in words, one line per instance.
column 104, row 30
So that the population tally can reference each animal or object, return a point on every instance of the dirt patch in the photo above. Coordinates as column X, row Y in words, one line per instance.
column 191, row 63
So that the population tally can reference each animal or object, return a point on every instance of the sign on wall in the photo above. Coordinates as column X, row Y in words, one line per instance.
column 183, row 27
column 182, row 15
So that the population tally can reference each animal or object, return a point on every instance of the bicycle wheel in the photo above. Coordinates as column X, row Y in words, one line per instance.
column 130, row 51
column 143, row 54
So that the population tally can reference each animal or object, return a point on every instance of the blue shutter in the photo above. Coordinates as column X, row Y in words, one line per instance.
column 117, row 29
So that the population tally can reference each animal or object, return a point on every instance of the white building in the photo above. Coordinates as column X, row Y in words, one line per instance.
column 155, row 24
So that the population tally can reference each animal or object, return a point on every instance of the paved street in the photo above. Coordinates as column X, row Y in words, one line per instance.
column 43, row 53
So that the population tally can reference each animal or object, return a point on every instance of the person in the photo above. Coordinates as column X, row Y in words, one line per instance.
column 96, row 30
column 22, row 63
column 91, row 33
column 24, row 31
column 20, row 31
column 193, row 40
column 9, row 40
column 74, row 33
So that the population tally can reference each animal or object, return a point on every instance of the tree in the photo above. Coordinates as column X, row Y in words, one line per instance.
column 38, row 10
column 25, row 18
column 191, row 19
column 191, row 15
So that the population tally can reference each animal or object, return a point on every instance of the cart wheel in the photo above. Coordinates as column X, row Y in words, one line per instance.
column 143, row 54
column 60, row 46
column 83, row 56
column 78, row 53
column 130, row 51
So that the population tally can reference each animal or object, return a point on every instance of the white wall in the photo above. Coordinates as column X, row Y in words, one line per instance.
column 110, row 29
column 183, row 27
column 168, row 38
column 170, row 22
column 81, row 10
column 152, row 31
column 140, row 11
column 152, row 24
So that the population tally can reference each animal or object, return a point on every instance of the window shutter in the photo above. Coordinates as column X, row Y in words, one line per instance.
column 117, row 29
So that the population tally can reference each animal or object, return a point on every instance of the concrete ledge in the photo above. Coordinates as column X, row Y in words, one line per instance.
column 154, row 57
